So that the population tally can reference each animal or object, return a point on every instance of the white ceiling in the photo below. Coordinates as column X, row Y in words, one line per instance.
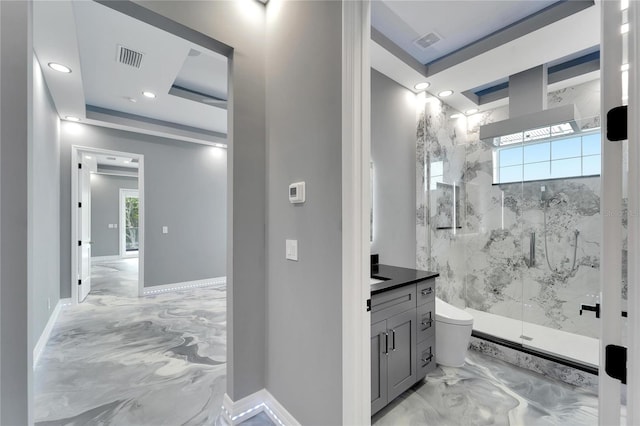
column 458, row 23
column 85, row 36
column 560, row 39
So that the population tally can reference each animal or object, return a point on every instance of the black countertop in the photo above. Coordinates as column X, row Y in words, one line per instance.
column 396, row 276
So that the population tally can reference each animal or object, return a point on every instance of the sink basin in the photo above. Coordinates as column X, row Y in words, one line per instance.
column 375, row 281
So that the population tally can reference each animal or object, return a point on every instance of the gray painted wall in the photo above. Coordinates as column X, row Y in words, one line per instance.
column 44, row 205
column 393, row 152
column 15, row 296
column 105, row 209
column 304, row 132
column 241, row 25
column 185, row 189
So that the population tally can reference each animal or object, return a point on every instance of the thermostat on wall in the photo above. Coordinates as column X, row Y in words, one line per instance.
column 296, row 193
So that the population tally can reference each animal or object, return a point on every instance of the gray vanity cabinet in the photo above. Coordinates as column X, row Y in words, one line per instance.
column 379, row 340
column 393, row 344
column 402, row 340
column 401, row 365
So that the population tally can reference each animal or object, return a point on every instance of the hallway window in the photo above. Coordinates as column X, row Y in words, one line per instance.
column 131, row 223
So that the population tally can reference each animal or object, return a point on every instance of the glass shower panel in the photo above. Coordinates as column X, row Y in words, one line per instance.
column 493, row 239
column 561, row 222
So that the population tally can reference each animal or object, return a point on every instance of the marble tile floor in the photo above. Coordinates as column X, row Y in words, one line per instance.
column 486, row 391
column 118, row 359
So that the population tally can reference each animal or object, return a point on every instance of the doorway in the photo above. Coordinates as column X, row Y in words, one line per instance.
column 119, row 228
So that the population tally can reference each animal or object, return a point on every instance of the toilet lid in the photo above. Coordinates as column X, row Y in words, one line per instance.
column 451, row 315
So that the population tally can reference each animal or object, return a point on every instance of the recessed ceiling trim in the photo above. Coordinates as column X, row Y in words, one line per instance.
column 150, row 17
column 547, row 16
column 397, row 51
column 139, row 124
column 193, row 95
column 565, row 71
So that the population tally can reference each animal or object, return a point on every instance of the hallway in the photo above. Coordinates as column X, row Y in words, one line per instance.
column 123, row 360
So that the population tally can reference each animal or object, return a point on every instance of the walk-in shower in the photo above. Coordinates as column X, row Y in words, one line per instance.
column 525, row 254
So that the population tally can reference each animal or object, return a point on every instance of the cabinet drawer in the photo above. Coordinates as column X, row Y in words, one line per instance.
column 426, row 291
column 426, row 357
column 392, row 302
column 426, row 324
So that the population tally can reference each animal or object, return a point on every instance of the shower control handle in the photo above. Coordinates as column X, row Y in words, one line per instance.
column 593, row 308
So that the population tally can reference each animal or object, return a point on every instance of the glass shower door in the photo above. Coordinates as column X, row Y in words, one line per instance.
column 561, row 220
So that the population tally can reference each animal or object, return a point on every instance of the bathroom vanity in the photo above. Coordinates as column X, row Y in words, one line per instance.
column 403, row 324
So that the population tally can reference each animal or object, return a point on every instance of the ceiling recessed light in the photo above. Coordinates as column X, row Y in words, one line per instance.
column 72, row 118
column 88, row 157
column 456, row 115
column 148, row 94
column 445, row 93
column 624, row 28
column 471, row 111
column 126, row 161
column 422, row 86
column 624, row 67
column 59, row 67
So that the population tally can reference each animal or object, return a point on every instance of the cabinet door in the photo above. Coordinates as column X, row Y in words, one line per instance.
column 378, row 366
column 401, row 368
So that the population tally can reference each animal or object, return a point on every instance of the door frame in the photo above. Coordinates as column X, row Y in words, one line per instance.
column 356, row 210
column 633, row 232
column 121, row 221
column 76, row 150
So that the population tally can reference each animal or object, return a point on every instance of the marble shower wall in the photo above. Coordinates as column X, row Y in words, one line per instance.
column 482, row 254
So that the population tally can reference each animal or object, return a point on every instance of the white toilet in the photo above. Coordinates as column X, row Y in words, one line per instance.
column 453, row 332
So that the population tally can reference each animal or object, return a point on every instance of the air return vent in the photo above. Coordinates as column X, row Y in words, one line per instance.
column 111, row 158
column 427, row 40
column 129, row 57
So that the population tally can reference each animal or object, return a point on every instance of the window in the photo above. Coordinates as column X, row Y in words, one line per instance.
column 561, row 158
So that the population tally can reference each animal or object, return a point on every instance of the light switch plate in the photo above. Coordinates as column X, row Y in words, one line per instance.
column 165, row 229
column 292, row 250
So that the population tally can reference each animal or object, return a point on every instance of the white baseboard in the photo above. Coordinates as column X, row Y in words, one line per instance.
column 105, row 258
column 157, row 289
column 46, row 333
column 259, row 402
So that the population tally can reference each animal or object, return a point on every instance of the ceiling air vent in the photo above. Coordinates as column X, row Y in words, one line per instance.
column 129, row 57
column 134, row 160
column 427, row 40
column 111, row 158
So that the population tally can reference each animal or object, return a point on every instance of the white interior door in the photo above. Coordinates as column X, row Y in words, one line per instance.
column 85, row 166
